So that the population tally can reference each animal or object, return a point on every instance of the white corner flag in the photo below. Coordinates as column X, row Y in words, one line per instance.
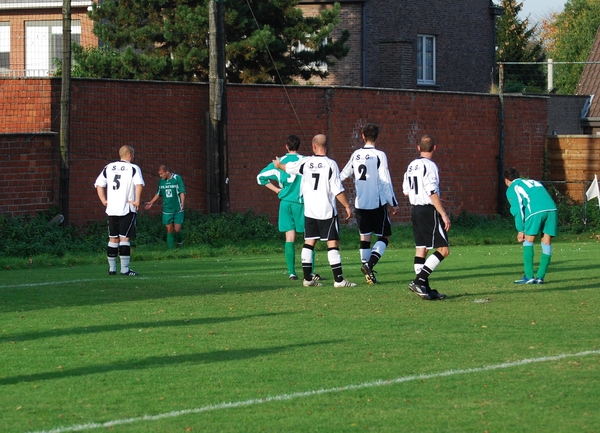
column 593, row 191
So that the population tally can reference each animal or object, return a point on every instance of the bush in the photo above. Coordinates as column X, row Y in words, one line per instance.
column 28, row 236
column 574, row 217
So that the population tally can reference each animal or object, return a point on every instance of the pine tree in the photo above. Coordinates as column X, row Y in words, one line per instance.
column 168, row 40
column 517, row 42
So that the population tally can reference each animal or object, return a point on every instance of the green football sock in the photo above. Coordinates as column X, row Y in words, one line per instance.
column 544, row 262
column 528, row 260
column 179, row 237
column 290, row 257
column 171, row 240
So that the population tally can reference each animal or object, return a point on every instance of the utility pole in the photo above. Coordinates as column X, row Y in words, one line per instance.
column 65, row 112
column 217, row 160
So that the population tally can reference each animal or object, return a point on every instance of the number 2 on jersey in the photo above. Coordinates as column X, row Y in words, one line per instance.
column 362, row 169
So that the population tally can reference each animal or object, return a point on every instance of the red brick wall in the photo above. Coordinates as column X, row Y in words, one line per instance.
column 465, row 127
column 25, row 105
column 165, row 122
column 30, row 173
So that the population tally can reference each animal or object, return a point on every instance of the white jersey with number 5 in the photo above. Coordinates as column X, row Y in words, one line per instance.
column 421, row 180
column 120, row 178
column 320, row 185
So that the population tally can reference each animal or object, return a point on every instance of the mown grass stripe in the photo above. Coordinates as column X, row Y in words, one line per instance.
column 284, row 397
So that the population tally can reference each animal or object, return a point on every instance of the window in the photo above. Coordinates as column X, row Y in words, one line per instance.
column 426, row 59
column 4, row 48
column 320, row 65
column 44, row 45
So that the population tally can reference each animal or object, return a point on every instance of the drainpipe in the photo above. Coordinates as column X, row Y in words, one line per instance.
column 364, row 46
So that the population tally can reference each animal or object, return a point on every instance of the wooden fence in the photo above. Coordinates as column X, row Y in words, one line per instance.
column 571, row 163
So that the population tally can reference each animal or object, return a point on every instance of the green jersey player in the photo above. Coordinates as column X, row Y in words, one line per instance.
column 534, row 212
column 172, row 190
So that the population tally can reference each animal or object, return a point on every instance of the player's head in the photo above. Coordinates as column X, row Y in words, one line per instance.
column 511, row 174
column 126, row 153
column 293, row 143
column 370, row 132
column 319, row 142
column 163, row 171
column 426, row 144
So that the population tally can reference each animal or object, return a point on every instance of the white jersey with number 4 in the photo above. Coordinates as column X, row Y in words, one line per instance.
column 421, row 180
column 120, row 178
column 320, row 185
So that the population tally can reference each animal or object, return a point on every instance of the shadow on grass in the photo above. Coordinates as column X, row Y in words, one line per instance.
column 158, row 362
column 530, row 289
column 82, row 330
column 99, row 288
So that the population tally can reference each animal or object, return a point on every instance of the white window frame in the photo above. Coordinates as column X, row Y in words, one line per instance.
column 321, row 66
column 426, row 59
column 41, row 45
column 5, row 46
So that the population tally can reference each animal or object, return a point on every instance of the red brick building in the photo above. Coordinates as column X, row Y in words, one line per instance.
column 415, row 44
column 399, row 44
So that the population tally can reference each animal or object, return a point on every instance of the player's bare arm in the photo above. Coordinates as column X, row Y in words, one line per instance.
column 437, row 203
column 341, row 197
column 138, row 196
column 273, row 188
column 149, row 204
column 277, row 163
column 101, row 194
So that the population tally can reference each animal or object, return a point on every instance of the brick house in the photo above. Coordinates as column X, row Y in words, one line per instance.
column 401, row 44
column 31, row 35
column 415, row 44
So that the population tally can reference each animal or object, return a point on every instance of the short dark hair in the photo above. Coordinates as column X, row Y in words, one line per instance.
column 511, row 174
column 293, row 142
column 371, row 132
column 426, row 144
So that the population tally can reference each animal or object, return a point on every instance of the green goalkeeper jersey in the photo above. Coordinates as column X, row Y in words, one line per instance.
column 526, row 198
column 169, row 190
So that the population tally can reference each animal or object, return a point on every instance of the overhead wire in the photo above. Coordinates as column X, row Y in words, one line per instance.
column 276, row 69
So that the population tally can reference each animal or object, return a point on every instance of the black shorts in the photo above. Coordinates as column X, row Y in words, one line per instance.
column 122, row 226
column 325, row 230
column 428, row 227
column 376, row 221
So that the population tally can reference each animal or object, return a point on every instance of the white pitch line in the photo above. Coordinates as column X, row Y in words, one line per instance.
column 284, row 397
column 108, row 278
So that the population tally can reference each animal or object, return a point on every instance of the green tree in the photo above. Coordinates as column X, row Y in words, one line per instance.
column 168, row 40
column 517, row 42
column 571, row 35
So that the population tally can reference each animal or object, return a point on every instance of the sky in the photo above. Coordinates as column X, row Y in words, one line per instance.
column 538, row 9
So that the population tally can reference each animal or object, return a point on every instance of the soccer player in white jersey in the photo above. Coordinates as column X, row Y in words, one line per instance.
column 119, row 186
column 320, row 187
column 429, row 219
column 374, row 191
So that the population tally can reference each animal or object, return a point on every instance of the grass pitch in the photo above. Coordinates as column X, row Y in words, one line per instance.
column 229, row 344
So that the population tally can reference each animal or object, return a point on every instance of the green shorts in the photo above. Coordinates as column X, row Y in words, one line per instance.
column 172, row 218
column 543, row 222
column 291, row 216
